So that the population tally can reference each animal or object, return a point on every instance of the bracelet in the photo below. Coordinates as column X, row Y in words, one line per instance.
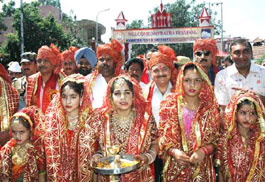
column 152, row 155
column 205, row 151
column 171, row 151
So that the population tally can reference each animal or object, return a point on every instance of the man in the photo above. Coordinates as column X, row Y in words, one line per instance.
column 227, row 62
column 28, row 67
column 8, row 104
column 43, row 85
column 181, row 60
column 205, row 51
column 86, row 60
column 69, row 64
column 163, row 74
column 242, row 75
column 109, row 65
column 135, row 67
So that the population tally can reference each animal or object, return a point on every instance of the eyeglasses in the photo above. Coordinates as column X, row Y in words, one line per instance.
column 200, row 53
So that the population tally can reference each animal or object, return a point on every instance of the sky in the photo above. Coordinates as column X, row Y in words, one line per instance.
column 243, row 18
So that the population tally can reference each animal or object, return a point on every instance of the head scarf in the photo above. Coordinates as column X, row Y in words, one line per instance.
column 167, row 56
column 258, row 127
column 114, row 50
column 88, row 53
column 53, row 54
column 33, row 116
column 207, row 44
column 69, row 54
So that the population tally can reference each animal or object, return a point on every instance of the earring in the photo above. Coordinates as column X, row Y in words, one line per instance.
column 81, row 103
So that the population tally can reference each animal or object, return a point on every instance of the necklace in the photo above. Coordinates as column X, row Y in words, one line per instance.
column 19, row 153
column 72, row 121
column 193, row 107
column 121, row 126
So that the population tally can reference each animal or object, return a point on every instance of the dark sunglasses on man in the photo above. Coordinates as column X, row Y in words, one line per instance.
column 200, row 53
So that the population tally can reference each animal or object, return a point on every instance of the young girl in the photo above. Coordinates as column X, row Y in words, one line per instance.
column 189, row 127
column 125, row 124
column 64, row 119
column 22, row 158
column 241, row 150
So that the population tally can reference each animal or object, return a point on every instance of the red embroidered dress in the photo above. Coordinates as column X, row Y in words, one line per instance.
column 67, row 158
column 29, row 169
column 241, row 162
column 204, row 131
column 8, row 99
column 138, row 139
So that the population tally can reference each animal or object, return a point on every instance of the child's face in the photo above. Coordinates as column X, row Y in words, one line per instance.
column 20, row 133
column 246, row 116
column 192, row 83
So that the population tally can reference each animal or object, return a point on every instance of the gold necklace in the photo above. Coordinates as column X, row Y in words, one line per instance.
column 194, row 107
column 121, row 126
column 72, row 121
column 19, row 153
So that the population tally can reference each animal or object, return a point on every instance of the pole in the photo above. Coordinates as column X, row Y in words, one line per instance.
column 96, row 42
column 222, row 38
column 222, row 30
column 21, row 27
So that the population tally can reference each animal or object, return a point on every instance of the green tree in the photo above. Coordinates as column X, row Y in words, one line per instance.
column 39, row 30
column 183, row 15
column 8, row 9
column 55, row 3
column 10, row 48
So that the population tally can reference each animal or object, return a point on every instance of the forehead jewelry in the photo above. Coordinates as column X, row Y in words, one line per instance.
column 67, row 88
column 120, row 81
column 16, row 121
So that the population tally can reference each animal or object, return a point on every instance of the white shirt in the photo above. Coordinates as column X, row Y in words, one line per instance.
column 98, row 91
column 142, row 84
column 229, row 78
column 156, row 100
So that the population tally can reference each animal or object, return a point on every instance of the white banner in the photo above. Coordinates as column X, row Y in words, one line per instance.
column 163, row 36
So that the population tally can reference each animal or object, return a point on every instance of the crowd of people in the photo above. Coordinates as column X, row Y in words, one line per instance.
column 182, row 120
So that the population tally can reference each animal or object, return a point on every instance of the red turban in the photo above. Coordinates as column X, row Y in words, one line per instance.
column 164, row 55
column 69, row 54
column 114, row 50
column 53, row 54
column 206, row 44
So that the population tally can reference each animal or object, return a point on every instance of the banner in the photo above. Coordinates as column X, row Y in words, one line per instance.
column 163, row 36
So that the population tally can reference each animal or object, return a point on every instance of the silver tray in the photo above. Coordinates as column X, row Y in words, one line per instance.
column 115, row 171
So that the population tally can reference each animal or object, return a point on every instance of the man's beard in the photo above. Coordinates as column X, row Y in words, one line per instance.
column 84, row 72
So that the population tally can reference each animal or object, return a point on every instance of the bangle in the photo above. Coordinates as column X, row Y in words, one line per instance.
column 205, row 151
column 171, row 152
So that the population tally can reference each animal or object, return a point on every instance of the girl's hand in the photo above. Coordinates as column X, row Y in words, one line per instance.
column 94, row 159
column 142, row 158
column 180, row 156
column 197, row 157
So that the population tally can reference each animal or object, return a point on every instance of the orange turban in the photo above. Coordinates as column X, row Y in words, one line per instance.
column 164, row 55
column 206, row 44
column 53, row 54
column 114, row 50
column 69, row 54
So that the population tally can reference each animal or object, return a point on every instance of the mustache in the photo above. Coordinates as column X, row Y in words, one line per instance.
column 161, row 76
column 42, row 67
column 104, row 66
column 203, row 60
column 134, row 75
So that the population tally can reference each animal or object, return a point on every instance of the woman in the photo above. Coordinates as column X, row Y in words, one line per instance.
column 241, row 150
column 22, row 158
column 65, row 118
column 126, row 124
column 189, row 127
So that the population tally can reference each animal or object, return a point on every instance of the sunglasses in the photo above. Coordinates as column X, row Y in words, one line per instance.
column 200, row 53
